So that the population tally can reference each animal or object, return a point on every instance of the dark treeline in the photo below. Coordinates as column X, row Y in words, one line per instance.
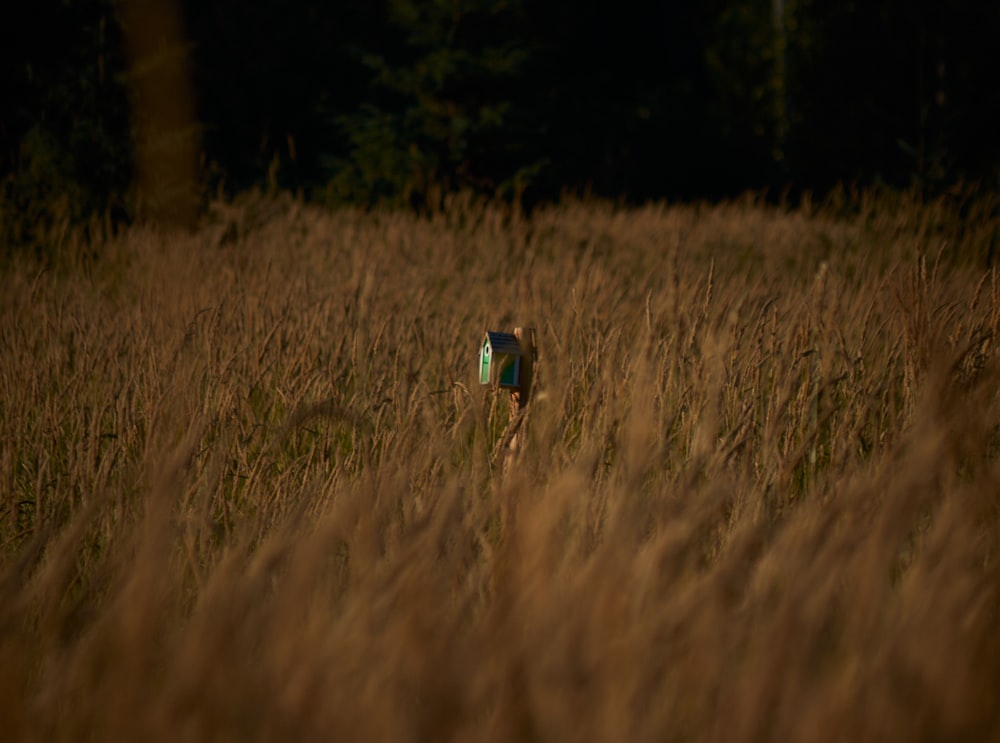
column 368, row 100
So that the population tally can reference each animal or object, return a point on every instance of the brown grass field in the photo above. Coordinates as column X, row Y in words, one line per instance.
column 251, row 489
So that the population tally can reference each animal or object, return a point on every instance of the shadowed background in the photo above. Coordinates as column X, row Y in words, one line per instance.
column 398, row 101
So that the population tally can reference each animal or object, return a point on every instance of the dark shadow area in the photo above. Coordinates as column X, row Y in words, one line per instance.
column 396, row 101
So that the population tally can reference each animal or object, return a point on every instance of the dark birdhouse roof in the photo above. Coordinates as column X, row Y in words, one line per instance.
column 505, row 343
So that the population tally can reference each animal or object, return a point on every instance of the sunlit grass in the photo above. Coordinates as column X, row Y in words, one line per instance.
column 251, row 489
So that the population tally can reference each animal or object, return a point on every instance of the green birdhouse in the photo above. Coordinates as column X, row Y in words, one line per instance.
column 500, row 360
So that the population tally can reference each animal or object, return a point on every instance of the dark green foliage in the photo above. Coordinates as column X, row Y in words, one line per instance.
column 65, row 152
column 743, row 64
column 442, row 114
column 271, row 77
column 400, row 101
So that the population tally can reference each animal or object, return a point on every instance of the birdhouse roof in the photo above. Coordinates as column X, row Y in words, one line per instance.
column 505, row 343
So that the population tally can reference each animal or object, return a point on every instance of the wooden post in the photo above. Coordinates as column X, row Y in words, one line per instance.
column 521, row 396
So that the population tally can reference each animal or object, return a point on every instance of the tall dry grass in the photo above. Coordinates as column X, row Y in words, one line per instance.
column 251, row 491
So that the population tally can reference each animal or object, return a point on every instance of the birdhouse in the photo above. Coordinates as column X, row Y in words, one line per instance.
column 500, row 360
